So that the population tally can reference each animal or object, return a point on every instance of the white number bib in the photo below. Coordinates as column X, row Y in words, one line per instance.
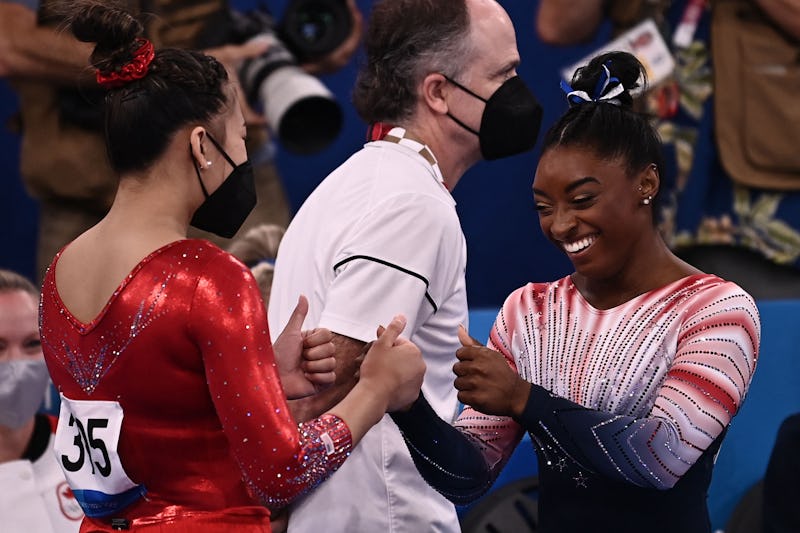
column 86, row 449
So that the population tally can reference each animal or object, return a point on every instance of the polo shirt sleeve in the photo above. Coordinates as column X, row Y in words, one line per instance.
column 403, row 256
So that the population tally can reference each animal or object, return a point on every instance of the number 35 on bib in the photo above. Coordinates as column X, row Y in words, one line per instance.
column 86, row 444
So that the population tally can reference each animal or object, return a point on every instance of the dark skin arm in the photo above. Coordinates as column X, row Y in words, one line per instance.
column 349, row 355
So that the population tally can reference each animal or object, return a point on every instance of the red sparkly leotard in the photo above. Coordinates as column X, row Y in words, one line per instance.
column 172, row 409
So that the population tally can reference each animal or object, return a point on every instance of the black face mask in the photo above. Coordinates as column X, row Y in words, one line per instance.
column 510, row 122
column 225, row 210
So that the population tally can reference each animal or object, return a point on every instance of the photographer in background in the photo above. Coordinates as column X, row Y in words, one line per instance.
column 63, row 161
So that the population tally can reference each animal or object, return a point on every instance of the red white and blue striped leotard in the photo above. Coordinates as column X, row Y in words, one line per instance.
column 624, row 400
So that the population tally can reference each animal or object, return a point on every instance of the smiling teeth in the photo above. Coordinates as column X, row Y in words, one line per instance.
column 577, row 246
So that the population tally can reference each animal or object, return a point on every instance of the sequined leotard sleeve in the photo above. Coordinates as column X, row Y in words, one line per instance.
column 278, row 460
column 635, row 394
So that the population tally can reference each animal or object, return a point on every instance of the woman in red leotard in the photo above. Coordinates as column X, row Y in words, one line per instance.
column 173, row 411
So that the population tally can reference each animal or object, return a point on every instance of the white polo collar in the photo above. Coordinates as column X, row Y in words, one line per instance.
column 397, row 135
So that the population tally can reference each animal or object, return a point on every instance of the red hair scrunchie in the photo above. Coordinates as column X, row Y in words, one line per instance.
column 135, row 69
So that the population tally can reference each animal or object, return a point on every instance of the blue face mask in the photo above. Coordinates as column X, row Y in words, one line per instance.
column 224, row 211
column 23, row 383
column 510, row 122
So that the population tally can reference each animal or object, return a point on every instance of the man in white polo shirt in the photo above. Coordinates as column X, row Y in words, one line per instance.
column 381, row 236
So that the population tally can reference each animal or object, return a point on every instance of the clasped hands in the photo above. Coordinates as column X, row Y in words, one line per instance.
column 305, row 359
column 484, row 379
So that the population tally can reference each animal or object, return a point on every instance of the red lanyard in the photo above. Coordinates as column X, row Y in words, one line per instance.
column 377, row 131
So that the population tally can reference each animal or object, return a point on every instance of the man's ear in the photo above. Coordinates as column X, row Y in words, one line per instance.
column 433, row 90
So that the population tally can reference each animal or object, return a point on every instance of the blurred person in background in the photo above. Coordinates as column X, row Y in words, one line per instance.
column 63, row 162
column 257, row 248
column 35, row 496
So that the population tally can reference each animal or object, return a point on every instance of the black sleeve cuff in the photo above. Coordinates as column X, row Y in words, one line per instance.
column 445, row 457
column 536, row 408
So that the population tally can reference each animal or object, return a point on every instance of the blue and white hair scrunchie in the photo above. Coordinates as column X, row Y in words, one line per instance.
column 606, row 79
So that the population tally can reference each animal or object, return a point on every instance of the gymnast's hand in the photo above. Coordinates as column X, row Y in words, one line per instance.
column 305, row 358
column 486, row 382
column 395, row 366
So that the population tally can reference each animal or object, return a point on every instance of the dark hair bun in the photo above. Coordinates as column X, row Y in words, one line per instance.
column 114, row 30
column 627, row 70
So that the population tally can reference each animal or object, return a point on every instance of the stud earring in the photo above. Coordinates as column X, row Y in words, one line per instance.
column 208, row 164
column 647, row 200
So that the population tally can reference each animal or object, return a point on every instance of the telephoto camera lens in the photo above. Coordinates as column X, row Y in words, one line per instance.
column 298, row 107
column 312, row 29
column 300, row 110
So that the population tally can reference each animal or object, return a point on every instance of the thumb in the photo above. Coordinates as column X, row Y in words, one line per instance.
column 465, row 338
column 298, row 315
column 392, row 331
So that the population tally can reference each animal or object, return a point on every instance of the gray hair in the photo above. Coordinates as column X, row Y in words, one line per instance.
column 405, row 41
